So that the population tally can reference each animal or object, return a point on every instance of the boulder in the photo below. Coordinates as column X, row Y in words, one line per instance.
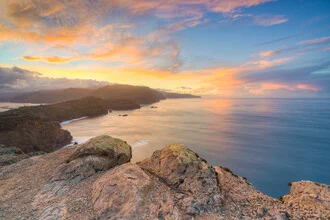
column 187, row 173
column 98, row 154
column 116, row 150
column 127, row 192
column 309, row 199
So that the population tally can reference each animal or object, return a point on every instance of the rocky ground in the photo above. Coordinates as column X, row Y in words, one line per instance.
column 96, row 180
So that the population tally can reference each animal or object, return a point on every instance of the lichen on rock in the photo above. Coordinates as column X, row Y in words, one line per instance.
column 184, row 171
column 104, row 146
column 98, row 154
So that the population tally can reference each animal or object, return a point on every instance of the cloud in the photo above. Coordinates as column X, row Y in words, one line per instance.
column 265, row 87
column 54, row 59
column 294, row 87
column 230, row 6
column 66, row 21
column 20, row 80
column 302, row 47
column 292, row 80
column 269, row 20
column 292, row 36
column 265, row 20
column 267, row 53
column 31, row 58
column 321, row 40
column 111, row 31
column 228, row 80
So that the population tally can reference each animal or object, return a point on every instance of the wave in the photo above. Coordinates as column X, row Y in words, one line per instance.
column 140, row 143
column 72, row 120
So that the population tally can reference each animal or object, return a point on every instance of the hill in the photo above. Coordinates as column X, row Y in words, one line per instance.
column 137, row 94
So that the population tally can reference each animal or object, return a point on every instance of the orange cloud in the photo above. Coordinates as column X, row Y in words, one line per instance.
column 54, row 59
column 268, row 53
column 31, row 58
column 279, row 86
column 308, row 87
column 65, row 23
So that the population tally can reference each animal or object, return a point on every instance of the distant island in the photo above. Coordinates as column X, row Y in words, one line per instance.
column 172, row 95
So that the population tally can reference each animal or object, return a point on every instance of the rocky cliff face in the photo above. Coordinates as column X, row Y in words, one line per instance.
column 96, row 181
column 37, row 128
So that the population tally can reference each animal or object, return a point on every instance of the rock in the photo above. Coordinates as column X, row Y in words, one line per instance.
column 9, row 150
column 125, row 115
column 31, row 133
column 10, row 155
column 242, row 198
column 175, row 183
column 186, row 172
column 10, row 159
column 98, row 154
column 309, row 199
column 127, row 192
column 116, row 150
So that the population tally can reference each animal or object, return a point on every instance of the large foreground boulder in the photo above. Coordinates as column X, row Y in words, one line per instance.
column 184, row 171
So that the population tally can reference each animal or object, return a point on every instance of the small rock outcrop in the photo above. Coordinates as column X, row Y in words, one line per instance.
column 309, row 200
column 96, row 180
column 10, row 155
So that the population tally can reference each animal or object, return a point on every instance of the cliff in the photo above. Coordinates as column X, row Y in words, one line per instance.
column 37, row 128
column 96, row 180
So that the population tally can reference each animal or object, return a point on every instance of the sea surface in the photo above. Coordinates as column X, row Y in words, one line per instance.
column 269, row 141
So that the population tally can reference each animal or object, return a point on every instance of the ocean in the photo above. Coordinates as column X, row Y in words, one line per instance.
column 271, row 142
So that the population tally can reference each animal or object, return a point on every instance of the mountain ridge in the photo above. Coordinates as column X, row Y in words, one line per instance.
column 138, row 94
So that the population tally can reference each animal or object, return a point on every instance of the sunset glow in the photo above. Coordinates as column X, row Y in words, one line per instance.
column 224, row 48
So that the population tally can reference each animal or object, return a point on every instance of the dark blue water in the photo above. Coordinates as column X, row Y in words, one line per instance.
column 269, row 141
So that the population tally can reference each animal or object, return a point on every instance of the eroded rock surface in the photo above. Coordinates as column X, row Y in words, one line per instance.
column 94, row 181
column 127, row 192
column 188, row 174
column 309, row 200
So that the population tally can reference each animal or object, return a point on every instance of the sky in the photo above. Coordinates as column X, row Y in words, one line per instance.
column 221, row 48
